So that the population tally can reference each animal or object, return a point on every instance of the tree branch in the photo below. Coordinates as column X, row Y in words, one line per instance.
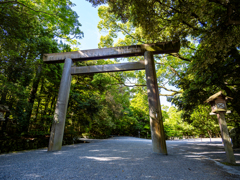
column 133, row 85
column 19, row 3
column 172, row 69
column 218, row 2
column 169, row 89
column 125, row 31
column 168, row 94
column 189, row 25
column 192, row 48
column 179, row 56
column 169, row 7
column 178, row 11
column 197, row 17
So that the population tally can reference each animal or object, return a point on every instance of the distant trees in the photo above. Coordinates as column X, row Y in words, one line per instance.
column 204, row 123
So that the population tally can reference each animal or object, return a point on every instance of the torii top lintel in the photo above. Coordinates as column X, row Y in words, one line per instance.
column 113, row 52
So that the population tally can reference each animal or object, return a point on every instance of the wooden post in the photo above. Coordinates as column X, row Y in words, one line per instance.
column 219, row 108
column 156, row 122
column 225, row 137
column 57, row 131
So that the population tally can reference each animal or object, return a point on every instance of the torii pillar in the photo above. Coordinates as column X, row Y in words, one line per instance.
column 56, row 136
column 155, row 113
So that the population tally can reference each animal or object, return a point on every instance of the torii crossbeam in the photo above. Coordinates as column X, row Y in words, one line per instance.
column 146, row 50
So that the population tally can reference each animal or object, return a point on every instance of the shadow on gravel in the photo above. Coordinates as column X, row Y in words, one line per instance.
column 115, row 158
column 213, row 150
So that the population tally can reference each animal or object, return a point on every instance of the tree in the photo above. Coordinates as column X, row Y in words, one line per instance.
column 28, row 30
column 209, row 38
column 204, row 123
column 55, row 18
column 175, row 126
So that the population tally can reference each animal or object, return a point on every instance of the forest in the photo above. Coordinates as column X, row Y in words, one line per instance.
column 116, row 103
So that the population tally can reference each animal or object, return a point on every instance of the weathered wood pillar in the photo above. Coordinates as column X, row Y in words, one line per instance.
column 156, row 122
column 57, row 131
column 226, row 137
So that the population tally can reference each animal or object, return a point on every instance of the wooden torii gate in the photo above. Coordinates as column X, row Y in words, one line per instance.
column 146, row 50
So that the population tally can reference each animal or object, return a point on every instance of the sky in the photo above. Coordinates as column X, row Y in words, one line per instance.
column 88, row 17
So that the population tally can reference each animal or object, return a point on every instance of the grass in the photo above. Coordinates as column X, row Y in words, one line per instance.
column 229, row 164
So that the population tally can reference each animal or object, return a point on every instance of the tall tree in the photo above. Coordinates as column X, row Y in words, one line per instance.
column 210, row 36
column 28, row 30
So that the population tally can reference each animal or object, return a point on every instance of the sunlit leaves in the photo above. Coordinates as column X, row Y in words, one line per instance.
column 204, row 123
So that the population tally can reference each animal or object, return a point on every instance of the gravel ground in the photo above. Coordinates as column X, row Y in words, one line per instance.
column 120, row 158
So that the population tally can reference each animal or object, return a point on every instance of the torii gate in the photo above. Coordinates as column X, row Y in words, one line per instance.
column 156, row 123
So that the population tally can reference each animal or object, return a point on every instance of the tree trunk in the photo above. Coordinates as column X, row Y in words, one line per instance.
column 32, row 97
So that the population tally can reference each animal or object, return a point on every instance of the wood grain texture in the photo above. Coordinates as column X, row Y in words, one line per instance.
column 113, row 52
column 155, row 113
column 108, row 68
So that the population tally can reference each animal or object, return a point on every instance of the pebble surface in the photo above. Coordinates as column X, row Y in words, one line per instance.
column 114, row 158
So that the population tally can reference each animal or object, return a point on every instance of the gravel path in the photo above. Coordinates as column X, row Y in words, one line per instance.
column 115, row 158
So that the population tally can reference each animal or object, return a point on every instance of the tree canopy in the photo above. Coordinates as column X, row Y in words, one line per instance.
column 208, row 31
column 28, row 30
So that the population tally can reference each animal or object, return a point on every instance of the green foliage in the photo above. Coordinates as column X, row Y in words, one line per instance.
column 207, row 62
column 209, row 57
column 28, row 30
column 203, row 123
column 175, row 126
column 139, row 106
column 51, row 18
